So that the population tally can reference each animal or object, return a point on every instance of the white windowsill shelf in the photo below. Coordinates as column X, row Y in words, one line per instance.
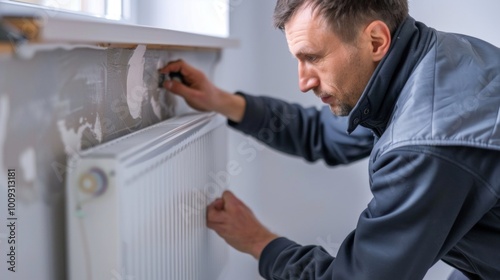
column 74, row 29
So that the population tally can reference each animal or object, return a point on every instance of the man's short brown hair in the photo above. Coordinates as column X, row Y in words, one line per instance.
column 346, row 16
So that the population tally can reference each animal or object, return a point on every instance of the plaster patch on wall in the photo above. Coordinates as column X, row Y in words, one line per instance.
column 98, row 128
column 27, row 161
column 156, row 105
column 136, row 90
column 72, row 138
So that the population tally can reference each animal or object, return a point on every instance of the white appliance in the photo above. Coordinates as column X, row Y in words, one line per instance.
column 136, row 205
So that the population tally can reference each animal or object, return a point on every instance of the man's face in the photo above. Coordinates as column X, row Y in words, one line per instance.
column 336, row 71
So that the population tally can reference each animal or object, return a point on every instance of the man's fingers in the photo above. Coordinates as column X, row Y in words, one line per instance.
column 189, row 73
column 215, row 212
column 216, row 217
column 218, row 204
column 181, row 89
column 229, row 196
column 221, row 209
column 173, row 66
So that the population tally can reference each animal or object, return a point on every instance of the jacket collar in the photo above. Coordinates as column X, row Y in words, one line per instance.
column 409, row 45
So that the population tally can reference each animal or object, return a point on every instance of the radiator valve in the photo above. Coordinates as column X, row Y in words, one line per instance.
column 94, row 182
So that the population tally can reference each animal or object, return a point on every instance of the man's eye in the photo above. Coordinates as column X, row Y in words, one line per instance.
column 311, row 58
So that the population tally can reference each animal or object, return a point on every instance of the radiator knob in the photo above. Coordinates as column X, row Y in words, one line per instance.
column 94, row 182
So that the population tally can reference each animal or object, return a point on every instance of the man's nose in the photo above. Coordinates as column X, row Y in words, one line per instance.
column 307, row 78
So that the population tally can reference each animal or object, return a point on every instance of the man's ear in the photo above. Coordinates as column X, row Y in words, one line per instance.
column 379, row 35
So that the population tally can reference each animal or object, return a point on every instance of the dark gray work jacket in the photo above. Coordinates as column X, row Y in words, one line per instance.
column 430, row 123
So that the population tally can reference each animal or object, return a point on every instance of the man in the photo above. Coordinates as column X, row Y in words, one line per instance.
column 430, row 102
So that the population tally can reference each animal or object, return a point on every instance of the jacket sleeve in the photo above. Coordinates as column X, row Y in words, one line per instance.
column 423, row 204
column 308, row 133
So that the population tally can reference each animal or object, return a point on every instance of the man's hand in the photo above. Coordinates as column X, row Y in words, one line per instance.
column 236, row 224
column 201, row 94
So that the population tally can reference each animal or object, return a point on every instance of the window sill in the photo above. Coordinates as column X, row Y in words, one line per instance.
column 73, row 29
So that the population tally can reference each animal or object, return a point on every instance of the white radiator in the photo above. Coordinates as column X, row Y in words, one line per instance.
column 136, row 205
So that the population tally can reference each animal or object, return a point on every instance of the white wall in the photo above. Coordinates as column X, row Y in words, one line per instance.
column 476, row 18
column 311, row 203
